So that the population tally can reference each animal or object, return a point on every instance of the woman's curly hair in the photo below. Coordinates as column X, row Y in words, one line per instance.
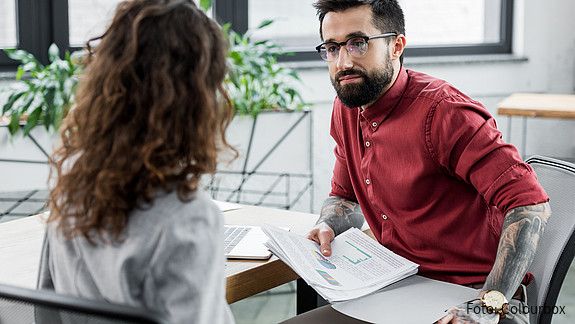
column 148, row 118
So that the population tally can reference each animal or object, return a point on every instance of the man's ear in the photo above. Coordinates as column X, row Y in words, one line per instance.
column 398, row 46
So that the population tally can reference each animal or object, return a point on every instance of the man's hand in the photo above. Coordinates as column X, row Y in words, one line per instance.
column 322, row 234
column 469, row 313
column 337, row 215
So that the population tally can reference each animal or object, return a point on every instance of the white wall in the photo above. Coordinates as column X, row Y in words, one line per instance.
column 544, row 37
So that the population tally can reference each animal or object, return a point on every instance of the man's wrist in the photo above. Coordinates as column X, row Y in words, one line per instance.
column 340, row 214
column 335, row 227
column 494, row 301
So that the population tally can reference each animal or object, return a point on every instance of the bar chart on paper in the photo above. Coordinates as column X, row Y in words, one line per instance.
column 358, row 257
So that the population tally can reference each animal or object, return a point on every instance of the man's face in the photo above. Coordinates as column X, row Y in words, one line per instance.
column 361, row 80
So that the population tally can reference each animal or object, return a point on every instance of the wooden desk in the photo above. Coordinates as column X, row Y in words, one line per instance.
column 535, row 105
column 247, row 278
column 21, row 243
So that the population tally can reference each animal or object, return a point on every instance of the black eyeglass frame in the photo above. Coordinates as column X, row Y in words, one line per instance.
column 344, row 43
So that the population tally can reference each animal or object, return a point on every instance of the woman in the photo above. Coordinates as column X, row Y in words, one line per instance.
column 129, row 223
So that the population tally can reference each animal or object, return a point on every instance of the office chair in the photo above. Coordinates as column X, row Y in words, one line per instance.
column 556, row 246
column 22, row 305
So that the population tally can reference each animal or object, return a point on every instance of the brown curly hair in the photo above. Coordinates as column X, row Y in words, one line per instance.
column 148, row 118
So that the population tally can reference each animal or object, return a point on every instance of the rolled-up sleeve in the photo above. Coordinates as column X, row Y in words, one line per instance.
column 464, row 139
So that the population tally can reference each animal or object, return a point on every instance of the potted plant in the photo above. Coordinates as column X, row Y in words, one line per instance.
column 43, row 94
column 262, row 92
column 270, row 127
column 256, row 82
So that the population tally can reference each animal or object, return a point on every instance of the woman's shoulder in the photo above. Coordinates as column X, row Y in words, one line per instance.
column 169, row 208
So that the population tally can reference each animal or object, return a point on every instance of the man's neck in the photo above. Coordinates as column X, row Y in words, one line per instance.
column 384, row 91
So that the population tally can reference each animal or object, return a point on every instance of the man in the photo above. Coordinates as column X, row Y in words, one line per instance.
column 424, row 165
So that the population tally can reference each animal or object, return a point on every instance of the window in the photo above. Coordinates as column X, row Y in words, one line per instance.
column 88, row 18
column 35, row 24
column 434, row 27
column 454, row 27
column 296, row 32
column 8, row 24
column 26, row 24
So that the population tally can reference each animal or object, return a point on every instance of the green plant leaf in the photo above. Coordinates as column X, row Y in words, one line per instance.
column 20, row 55
column 14, row 125
column 32, row 120
column 265, row 23
column 11, row 101
column 53, row 53
column 46, row 94
column 30, row 66
column 205, row 5
column 19, row 73
column 294, row 75
column 50, row 110
column 24, row 108
column 226, row 28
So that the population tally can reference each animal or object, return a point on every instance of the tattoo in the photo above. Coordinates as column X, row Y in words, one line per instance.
column 522, row 229
column 341, row 214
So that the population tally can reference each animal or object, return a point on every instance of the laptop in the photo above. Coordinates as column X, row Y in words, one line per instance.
column 245, row 242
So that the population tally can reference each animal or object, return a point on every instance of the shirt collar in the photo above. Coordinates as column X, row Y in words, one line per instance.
column 376, row 113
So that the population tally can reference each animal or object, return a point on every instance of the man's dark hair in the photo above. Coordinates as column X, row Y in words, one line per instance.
column 387, row 14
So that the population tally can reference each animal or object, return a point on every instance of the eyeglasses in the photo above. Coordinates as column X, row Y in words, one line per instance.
column 355, row 46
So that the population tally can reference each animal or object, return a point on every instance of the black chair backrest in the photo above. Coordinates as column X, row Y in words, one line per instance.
column 22, row 305
column 557, row 244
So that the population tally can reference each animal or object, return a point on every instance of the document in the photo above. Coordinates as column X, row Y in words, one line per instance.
column 357, row 267
column 414, row 300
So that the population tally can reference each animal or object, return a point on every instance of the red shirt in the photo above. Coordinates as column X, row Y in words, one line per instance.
column 432, row 175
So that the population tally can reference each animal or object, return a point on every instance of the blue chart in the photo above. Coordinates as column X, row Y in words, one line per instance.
column 328, row 278
column 323, row 261
column 358, row 256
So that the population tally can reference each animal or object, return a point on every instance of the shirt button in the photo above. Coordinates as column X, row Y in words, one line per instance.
column 374, row 124
column 367, row 143
column 367, row 181
column 384, row 216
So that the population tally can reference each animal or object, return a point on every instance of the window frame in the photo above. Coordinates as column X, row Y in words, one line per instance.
column 50, row 19
column 236, row 12
column 52, row 26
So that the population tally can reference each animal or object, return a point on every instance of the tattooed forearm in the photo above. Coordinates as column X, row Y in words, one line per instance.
column 522, row 229
column 341, row 214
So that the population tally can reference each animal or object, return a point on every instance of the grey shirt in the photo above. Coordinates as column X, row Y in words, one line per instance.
column 171, row 261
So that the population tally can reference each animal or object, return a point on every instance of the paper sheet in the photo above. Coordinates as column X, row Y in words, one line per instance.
column 358, row 265
column 413, row 300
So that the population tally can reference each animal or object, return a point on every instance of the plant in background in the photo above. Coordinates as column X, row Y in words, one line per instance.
column 256, row 81
column 44, row 93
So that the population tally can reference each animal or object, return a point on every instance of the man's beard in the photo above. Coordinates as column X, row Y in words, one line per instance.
column 364, row 92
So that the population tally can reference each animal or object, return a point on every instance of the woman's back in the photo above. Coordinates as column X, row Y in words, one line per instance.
column 160, row 265
column 128, row 221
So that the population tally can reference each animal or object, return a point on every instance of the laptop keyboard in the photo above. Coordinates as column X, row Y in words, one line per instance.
column 233, row 235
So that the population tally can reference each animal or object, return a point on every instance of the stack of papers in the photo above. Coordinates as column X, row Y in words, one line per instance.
column 358, row 265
